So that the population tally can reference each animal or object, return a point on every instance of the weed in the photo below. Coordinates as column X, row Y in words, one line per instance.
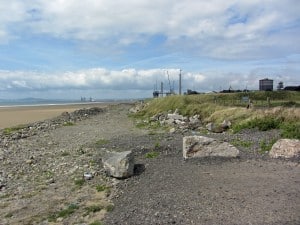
column 152, row 155
column 101, row 188
column 157, row 145
column 109, row 208
column 63, row 213
column 79, row 182
column 290, row 130
column 68, row 123
column 266, row 146
column 10, row 130
column 242, row 143
column 263, row 124
column 93, row 208
column 68, row 211
column 48, row 174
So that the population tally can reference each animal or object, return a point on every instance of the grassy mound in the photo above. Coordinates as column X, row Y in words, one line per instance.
column 270, row 110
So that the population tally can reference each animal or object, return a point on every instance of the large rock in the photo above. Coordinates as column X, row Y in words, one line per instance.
column 285, row 148
column 119, row 164
column 200, row 146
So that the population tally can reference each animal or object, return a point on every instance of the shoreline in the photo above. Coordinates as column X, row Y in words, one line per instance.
column 23, row 114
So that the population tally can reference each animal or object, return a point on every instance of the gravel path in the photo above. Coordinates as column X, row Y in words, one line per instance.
column 43, row 177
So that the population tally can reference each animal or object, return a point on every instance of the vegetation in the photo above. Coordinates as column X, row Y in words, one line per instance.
column 152, row 155
column 281, row 112
column 290, row 130
column 63, row 213
column 103, row 188
column 238, row 142
column 266, row 146
column 263, row 124
column 10, row 130
column 79, row 182
column 93, row 208
column 109, row 208
column 68, row 124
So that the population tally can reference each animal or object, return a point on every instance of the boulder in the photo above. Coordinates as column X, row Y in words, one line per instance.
column 175, row 116
column 210, row 126
column 200, row 146
column 226, row 124
column 285, row 148
column 119, row 164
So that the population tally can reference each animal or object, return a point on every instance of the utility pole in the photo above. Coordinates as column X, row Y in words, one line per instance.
column 180, row 82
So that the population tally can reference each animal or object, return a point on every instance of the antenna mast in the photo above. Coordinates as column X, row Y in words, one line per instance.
column 180, row 82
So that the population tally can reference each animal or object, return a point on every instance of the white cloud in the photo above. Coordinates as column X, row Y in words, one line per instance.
column 209, row 28
column 123, row 82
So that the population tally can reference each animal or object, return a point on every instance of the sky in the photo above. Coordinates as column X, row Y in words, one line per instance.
column 68, row 49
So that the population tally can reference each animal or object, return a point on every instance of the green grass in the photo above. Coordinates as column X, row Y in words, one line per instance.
column 266, row 146
column 67, row 124
column 63, row 213
column 93, row 208
column 290, row 130
column 263, row 124
column 101, row 188
column 152, row 155
column 109, row 208
column 79, row 182
column 11, row 130
column 242, row 143
column 220, row 106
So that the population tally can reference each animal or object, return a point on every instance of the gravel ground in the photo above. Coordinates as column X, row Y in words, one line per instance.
column 40, row 175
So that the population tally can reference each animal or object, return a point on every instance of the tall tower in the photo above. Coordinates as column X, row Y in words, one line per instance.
column 180, row 82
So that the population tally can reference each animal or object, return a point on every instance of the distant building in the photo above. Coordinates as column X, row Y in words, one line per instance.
column 292, row 88
column 280, row 86
column 266, row 85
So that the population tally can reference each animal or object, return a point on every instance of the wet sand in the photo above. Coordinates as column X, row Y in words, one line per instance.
column 18, row 115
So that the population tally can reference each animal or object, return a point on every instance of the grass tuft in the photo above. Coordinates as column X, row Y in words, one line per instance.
column 63, row 213
column 152, row 155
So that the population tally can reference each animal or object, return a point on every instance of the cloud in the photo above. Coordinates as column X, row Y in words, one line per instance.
column 218, row 29
column 96, row 78
column 126, row 81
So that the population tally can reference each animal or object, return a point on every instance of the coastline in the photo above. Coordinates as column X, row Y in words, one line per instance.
column 14, row 115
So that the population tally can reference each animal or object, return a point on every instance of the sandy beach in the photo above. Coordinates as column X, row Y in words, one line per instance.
column 17, row 115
